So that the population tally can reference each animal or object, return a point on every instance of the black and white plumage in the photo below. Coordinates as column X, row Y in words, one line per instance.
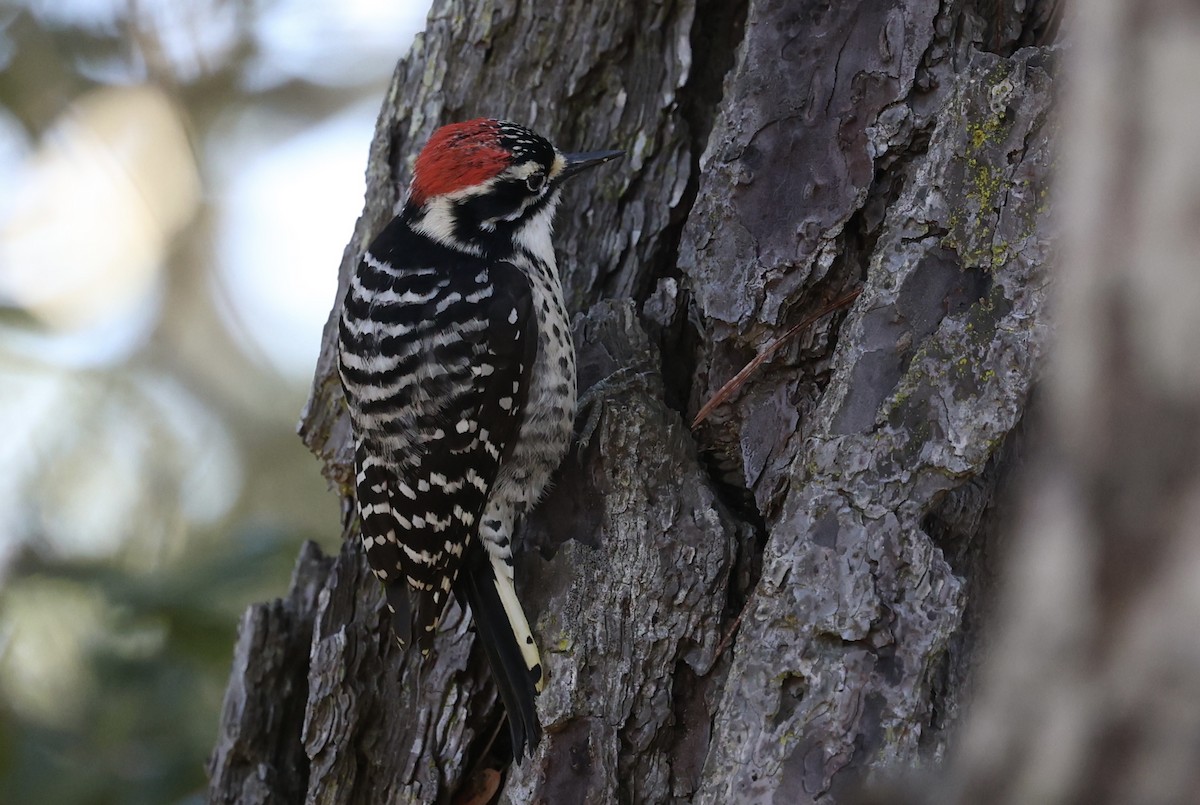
column 459, row 373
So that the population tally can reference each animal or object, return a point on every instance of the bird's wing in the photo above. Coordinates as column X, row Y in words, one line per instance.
column 439, row 409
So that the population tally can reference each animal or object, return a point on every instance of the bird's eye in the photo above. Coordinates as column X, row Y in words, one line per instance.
column 535, row 182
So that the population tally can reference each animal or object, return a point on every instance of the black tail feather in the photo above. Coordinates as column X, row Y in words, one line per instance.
column 411, row 623
column 477, row 587
column 400, row 605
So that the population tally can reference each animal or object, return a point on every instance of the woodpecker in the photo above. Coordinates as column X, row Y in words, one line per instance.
column 458, row 367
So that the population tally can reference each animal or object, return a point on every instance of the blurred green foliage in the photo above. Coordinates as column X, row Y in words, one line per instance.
column 178, row 449
column 156, row 669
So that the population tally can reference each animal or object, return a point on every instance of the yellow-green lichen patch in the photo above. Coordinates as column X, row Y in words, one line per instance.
column 981, row 182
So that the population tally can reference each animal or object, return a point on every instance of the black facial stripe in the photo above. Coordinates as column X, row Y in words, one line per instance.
column 505, row 199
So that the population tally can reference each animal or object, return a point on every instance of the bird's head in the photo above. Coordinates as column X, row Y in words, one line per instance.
column 487, row 182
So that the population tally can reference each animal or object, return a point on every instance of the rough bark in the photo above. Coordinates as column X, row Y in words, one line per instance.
column 780, row 153
column 857, row 602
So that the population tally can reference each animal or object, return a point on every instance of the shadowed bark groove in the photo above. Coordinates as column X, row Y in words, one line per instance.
column 779, row 153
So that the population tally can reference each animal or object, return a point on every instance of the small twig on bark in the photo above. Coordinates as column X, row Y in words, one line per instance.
column 726, row 391
column 729, row 635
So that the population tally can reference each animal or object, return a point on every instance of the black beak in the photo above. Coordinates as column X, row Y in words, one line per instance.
column 581, row 162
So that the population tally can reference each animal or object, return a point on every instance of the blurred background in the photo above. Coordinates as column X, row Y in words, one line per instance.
column 178, row 179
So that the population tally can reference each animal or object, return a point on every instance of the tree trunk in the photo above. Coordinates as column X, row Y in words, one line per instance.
column 1094, row 692
column 779, row 602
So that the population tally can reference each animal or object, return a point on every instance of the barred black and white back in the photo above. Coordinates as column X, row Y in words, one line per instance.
column 459, row 372
column 436, row 401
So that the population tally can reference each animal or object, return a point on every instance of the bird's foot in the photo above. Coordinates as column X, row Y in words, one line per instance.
column 622, row 380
